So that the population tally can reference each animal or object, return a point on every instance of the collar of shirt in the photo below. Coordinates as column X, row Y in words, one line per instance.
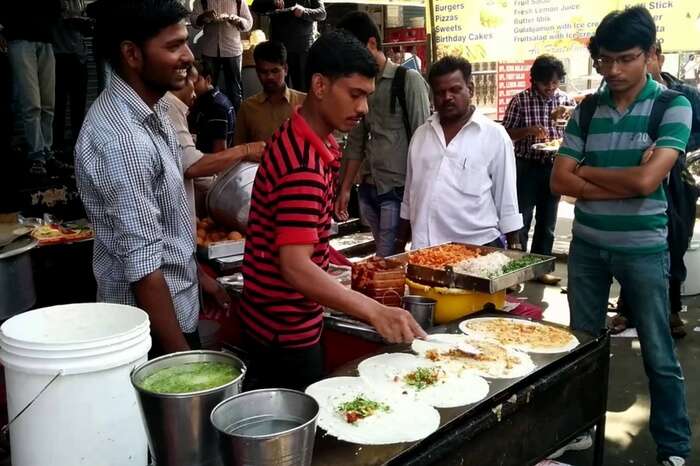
column 477, row 118
column 262, row 97
column 329, row 151
column 646, row 92
column 141, row 111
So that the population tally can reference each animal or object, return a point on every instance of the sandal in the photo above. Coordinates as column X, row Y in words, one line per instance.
column 677, row 326
column 618, row 324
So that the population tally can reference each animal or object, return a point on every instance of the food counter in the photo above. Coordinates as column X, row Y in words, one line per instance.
column 520, row 422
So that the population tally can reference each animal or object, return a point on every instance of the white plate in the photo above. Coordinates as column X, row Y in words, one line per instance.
column 406, row 421
column 488, row 369
column 573, row 341
column 541, row 146
column 385, row 373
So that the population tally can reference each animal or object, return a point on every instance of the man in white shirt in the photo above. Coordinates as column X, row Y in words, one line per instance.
column 222, row 22
column 461, row 176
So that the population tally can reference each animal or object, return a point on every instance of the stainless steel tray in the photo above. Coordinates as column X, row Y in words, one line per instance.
column 221, row 249
column 451, row 279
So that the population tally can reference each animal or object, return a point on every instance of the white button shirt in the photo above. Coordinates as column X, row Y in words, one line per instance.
column 462, row 192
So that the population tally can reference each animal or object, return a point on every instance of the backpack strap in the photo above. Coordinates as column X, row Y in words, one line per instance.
column 658, row 109
column 398, row 93
column 587, row 110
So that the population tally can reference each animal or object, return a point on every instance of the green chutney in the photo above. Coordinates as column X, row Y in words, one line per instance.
column 191, row 377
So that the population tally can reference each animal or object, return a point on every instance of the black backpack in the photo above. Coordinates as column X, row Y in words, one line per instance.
column 398, row 94
column 681, row 192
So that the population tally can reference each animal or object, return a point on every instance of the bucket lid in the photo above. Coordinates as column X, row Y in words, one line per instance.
column 71, row 324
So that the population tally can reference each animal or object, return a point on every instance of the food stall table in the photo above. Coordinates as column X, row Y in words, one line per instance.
column 521, row 422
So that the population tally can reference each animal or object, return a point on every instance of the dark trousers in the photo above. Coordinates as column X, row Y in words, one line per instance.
column 232, row 77
column 296, row 61
column 674, row 298
column 71, row 89
column 534, row 195
column 276, row 367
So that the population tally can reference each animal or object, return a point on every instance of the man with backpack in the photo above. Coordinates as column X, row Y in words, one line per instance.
column 682, row 196
column 379, row 144
column 620, row 225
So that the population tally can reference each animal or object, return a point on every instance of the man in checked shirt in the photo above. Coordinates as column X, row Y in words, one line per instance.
column 529, row 119
column 129, row 172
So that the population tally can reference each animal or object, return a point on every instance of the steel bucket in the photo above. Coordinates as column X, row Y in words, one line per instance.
column 16, row 278
column 270, row 427
column 178, row 426
column 421, row 308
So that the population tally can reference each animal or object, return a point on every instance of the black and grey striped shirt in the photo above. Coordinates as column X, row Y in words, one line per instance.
column 129, row 174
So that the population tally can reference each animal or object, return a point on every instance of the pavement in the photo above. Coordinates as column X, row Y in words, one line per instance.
column 628, row 441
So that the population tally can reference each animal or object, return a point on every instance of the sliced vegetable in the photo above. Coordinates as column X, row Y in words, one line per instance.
column 422, row 377
column 360, row 408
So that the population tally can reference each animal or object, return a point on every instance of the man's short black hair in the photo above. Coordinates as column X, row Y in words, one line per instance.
column 546, row 68
column 133, row 20
column 271, row 52
column 360, row 25
column 450, row 64
column 338, row 53
column 204, row 69
column 624, row 30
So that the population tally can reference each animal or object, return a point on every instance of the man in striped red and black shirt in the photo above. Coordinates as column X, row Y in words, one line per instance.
column 287, row 241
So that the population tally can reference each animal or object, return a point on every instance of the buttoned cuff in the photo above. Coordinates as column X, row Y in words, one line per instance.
column 510, row 223
column 143, row 261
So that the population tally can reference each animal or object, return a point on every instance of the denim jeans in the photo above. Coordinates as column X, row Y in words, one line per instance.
column 232, row 77
column 382, row 214
column 591, row 270
column 34, row 75
column 534, row 195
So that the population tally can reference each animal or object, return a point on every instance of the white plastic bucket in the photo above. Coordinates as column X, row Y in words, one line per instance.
column 691, row 285
column 89, row 415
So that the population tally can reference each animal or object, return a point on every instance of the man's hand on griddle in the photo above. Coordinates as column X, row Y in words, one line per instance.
column 396, row 325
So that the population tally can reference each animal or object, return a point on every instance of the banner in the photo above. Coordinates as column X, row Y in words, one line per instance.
column 383, row 2
column 516, row 30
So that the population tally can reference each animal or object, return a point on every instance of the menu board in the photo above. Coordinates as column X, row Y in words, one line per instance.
column 513, row 77
column 512, row 30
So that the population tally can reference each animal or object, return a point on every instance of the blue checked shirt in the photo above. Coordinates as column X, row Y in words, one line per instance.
column 129, row 174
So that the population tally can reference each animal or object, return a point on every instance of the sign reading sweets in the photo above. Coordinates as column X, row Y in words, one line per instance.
column 513, row 30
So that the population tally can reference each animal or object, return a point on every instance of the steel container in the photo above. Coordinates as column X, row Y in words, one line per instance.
column 178, row 426
column 228, row 200
column 421, row 308
column 270, row 427
column 17, row 293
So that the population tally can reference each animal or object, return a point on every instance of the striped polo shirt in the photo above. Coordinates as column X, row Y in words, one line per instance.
column 292, row 204
column 618, row 140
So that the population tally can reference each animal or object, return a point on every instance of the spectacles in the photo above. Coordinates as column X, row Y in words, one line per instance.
column 623, row 60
